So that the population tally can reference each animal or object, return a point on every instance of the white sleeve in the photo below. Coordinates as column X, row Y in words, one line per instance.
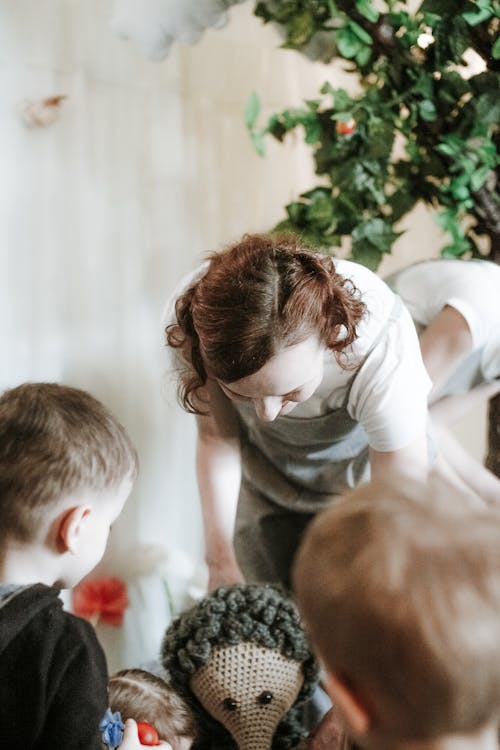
column 470, row 286
column 474, row 291
column 389, row 392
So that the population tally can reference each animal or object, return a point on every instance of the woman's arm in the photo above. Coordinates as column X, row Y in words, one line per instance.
column 444, row 343
column 218, row 470
column 411, row 462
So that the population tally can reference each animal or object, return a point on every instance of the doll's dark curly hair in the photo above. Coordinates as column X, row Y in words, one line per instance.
column 256, row 613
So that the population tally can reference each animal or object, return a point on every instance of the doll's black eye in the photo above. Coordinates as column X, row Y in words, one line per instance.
column 265, row 698
column 229, row 704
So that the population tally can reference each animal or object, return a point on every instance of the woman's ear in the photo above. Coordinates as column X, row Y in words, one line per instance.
column 71, row 528
column 350, row 706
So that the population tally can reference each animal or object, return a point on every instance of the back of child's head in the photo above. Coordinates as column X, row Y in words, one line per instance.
column 144, row 696
column 55, row 441
column 401, row 595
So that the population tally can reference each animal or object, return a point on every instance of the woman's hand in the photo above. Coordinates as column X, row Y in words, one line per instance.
column 130, row 739
column 224, row 573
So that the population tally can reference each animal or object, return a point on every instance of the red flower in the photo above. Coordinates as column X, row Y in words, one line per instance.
column 101, row 600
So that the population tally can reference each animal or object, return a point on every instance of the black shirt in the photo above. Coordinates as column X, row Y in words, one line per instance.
column 53, row 674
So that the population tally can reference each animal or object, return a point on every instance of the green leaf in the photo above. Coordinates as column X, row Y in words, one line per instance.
column 313, row 104
column 475, row 17
column 453, row 86
column 377, row 232
column 485, row 82
column 424, row 85
column 380, row 138
column 413, row 151
column 427, row 110
column 446, row 149
column 327, row 88
column 284, row 226
column 252, row 109
column 363, row 56
column 488, row 107
column 456, row 249
column 348, row 43
column 257, row 138
column 312, row 130
column 300, row 29
column 296, row 212
column 448, row 221
column 262, row 12
column 276, row 128
column 460, row 192
column 401, row 202
column 364, row 253
column 441, row 7
column 468, row 164
column 342, row 102
column 281, row 11
column 496, row 49
column 487, row 153
column 319, row 212
column 365, row 7
column 454, row 145
column 445, row 220
column 478, row 177
column 362, row 35
column 458, row 37
column 431, row 19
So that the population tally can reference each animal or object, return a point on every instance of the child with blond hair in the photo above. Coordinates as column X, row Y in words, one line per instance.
column 400, row 591
column 147, row 697
column 66, row 469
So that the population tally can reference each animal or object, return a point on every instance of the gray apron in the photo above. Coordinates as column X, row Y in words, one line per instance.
column 291, row 469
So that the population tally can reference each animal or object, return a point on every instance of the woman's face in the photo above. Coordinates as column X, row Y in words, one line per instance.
column 287, row 379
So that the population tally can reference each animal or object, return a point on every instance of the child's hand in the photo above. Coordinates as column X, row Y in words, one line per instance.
column 130, row 739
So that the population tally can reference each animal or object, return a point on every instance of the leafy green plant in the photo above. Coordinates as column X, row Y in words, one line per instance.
column 422, row 129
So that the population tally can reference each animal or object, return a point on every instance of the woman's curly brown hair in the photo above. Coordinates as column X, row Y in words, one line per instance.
column 257, row 296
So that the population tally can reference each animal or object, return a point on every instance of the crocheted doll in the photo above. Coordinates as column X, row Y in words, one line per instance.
column 240, row 658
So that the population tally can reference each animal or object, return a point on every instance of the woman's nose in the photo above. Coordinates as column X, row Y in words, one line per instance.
column 267, row 409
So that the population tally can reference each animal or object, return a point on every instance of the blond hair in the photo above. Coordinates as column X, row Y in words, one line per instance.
column 55, row 441
column 402, row 601
column 144, row 696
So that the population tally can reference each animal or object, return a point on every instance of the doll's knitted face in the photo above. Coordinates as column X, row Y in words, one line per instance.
column 248, row 689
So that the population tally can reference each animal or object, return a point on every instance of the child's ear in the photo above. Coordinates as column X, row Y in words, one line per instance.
column 350, row 706
column 71, row 527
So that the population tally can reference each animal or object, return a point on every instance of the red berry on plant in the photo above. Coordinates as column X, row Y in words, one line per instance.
column 147, row 734
column 345, row 127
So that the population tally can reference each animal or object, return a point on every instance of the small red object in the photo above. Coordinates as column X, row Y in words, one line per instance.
column 147, row 733
column 345, row 127
column 101, row 600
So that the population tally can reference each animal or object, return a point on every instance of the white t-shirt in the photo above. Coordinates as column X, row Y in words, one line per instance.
column 470, row 286
column 388, row 395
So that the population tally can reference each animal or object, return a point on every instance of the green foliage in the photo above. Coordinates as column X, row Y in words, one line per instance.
column 409, row 65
